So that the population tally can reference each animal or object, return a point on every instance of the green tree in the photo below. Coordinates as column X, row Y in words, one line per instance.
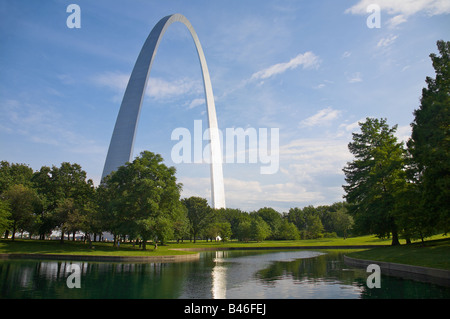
column 430, row 145
column 5, row 215
column 56, row 185
column 288, row 231
column 259, row 229
column 272, row 218
column 14, row 174
column 181, row 226
column 200, row 214
column 233, row 217
column 23, row 202
column 145, row 196
column 66, row 216
column 243, row 231
column 341, row 222
column 374, row 178
column 314, row 227
column 298, row 217
column 412, row 220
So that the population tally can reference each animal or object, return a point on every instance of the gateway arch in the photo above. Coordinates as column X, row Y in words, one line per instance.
column 122, row 141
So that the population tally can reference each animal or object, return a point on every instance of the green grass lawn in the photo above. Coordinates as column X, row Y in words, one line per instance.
column 26, row 246
column 23, row 246
column 434, row 254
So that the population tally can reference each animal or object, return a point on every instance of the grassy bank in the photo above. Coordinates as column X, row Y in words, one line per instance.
column 22, row 246
column 433, row 254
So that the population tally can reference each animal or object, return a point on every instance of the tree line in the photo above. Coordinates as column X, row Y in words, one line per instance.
column 402, row 191
column 141, row 201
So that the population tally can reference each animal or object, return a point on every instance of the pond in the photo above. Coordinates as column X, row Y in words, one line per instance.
column 216, row 275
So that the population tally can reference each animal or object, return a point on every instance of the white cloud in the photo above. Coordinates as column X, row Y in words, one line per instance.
column 113, row 80
column 346, row 54
column 384, row 42
column 251, row 195
column 323, row 117
column 355, row 78
column 308, row 161
column 395, row 21
column 346, row 128
column 316, row 152
column 320, row 86
column 157, row 88
column 307, row 60
column 45, row 125
column 196, row 102
column 403, row 133
column 402, row 9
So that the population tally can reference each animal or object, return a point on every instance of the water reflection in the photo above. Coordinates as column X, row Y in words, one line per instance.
column 219, row 277
column 222, row 274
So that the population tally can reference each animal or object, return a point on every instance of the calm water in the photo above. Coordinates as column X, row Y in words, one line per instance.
column 229, row 274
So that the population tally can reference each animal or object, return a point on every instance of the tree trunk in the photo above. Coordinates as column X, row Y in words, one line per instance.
column 14, row 231
column 395, row 241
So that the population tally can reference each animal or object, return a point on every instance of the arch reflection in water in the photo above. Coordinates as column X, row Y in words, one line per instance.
column 219, row 276
column 231, row 271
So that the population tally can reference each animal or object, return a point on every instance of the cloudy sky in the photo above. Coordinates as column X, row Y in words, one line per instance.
column 312, row 69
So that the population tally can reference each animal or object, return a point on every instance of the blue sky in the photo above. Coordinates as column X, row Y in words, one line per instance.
column 313, row 69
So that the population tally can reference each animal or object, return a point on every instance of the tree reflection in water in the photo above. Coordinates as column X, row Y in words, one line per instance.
column 222, row 274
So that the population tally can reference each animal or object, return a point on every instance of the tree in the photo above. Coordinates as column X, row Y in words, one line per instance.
column 259, row 229
column 298, row 217
column 14, row 174
column 200, row 214
column 429, row 145
column 243, row 231
column 66, row 216
column 288, row 231
column 55, row 186
column 5, row 214
column 374, row 177
column 23, row 202
column 233, row 217
column 181, row 226
column 314, row 227
column 272, row 218
column 144, row 197
column 342, row 222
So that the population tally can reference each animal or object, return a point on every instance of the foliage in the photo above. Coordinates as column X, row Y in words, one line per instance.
column 200, row 214
column 259, row 229
column 5, row 215
column 143, row 199
column 23, row 203
column 429, row 147
column 14, row 174
column 288, row 231
column 374, row 177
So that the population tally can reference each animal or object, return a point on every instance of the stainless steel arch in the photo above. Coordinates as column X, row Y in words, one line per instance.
column 122, row 141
